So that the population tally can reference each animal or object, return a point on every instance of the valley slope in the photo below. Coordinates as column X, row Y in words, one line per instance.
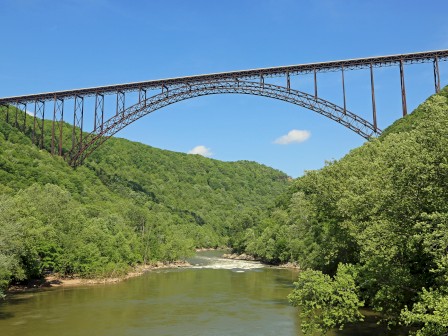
column 129, row 204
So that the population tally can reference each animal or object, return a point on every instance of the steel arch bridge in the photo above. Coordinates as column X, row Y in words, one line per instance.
column 173, row 90
column 134, row 112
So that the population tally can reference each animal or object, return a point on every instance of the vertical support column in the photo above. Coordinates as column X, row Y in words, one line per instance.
column 38, row 127
column 99, row 112
column 78, row 117
column 21, row 107
column 33, row 137
column 343, row 89
column 61, row 126
column 372, row 86
column 16, row 119
column 58, row 125
column 7, row 113
column 403, row 90
column 42, row 128
column 262, row 81
column 288, row 81
column 120, row 102
column 142, row 95
column 315, row 84
column 436, row 74
column 53, row 126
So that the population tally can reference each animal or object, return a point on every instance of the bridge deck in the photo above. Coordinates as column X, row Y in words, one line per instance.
column 351, row 64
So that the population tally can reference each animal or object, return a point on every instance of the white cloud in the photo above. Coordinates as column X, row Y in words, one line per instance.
column 201, row 150
column 297, row 136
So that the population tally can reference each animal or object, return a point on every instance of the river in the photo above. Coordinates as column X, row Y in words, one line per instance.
column 214, row 297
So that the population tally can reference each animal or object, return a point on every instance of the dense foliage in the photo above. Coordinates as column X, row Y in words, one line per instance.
column 326, row 303
column 209, row 193
column 383, row 209
column 129, row 204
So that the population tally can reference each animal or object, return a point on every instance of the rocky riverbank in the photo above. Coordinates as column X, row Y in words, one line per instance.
column 53, row 280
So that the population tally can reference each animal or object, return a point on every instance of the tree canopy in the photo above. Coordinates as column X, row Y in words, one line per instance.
column 383, row 209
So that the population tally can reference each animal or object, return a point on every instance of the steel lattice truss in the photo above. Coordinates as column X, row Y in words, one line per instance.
column 173, row 90
column 131, row 114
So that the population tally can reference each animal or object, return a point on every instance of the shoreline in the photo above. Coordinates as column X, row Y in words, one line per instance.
column 54, row 281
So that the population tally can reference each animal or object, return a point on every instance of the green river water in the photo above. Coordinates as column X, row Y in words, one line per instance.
column 214, row 297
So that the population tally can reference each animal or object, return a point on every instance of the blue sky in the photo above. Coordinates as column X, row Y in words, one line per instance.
column 56, row 45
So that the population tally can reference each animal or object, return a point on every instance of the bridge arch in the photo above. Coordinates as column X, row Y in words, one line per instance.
column 92, row 141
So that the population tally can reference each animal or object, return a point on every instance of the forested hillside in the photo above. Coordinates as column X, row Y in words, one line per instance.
column 370, row 229
column 128, row 204
column 212, row 193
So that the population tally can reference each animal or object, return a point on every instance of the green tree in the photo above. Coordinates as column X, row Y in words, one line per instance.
column 430, row 313
column 325, row 303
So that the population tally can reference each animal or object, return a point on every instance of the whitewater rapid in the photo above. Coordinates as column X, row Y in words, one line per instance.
column 221, row 263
